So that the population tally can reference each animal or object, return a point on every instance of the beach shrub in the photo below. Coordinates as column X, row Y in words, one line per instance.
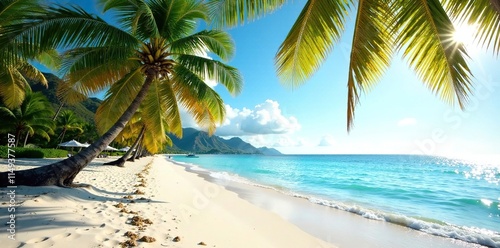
column 28, row 153
column 22, row 152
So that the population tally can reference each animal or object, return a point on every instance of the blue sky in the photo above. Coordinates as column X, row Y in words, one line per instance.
column 399, row 116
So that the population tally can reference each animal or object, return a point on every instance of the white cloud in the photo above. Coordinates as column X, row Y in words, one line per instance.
column 407, row 122
column 265, row 118
column 327, row 140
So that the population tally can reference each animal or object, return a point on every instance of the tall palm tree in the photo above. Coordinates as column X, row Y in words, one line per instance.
column 31, row 118
column 154, row 54
column 15, row 67
column 420, row 30
column 68, row 121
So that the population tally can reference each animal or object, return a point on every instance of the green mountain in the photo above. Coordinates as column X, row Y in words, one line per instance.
column 201, row 143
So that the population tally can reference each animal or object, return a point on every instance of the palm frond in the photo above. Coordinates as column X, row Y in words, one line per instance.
column 12, row 86
column 31, row 72
column 318, row 27
column 372, row 49
column 201, row 101
column 153, row 114
column 208, row 69
column 176, row 19
column 90, row 70
column 62, row 27
column 215, row 41
column 50, row 59
column 437, row 59
column 117, row 99
column 233, row 12
column 482, row 15
column 135, row 16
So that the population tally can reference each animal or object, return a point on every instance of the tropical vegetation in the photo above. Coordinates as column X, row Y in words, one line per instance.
column 32, row 117
column 155, row 60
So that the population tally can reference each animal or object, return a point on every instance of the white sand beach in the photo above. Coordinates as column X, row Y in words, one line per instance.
column 152, row 199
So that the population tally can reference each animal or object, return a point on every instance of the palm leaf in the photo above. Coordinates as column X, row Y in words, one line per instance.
column 215, row 41
column 208, row 69
column 483, row 15
column 13, row 86
column 201, row 101
column 117, row 99
column 310, row 40
column 50, row 59
column 90, row 70
column 371, row 51
column 135, row 16
column 233, row 12
column 175, row 19
column 438, row 61
column 63, row 27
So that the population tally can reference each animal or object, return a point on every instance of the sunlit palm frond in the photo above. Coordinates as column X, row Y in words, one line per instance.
column 482, row 15
column 153, row 144
column 201, row 101
column 174, row 19
column 90, row 70
column 131, row 130
column 31, row 72
column 80, row 29
column 135, row 16
column 171, row 107
column 208, row 69
column 50, row 59
column 153, row 113
column 233, row 12
column 318, row 27
column 118, row 98
column 425, row 37
column 372, row 49
column 214, row 41
column 13, row 86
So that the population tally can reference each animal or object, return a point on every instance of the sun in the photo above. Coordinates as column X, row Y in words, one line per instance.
column 464, row 34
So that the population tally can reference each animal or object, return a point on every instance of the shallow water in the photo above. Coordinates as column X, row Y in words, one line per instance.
column 439, row 196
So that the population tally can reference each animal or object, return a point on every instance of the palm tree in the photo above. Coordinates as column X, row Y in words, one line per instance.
column 68, row 121
column 31, row 118
column 15, row 68
column 420, row 30
column 154, row 56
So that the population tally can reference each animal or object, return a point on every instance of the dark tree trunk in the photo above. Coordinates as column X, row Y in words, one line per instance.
column 63, row 173
column 132, row 158
column 121, row 161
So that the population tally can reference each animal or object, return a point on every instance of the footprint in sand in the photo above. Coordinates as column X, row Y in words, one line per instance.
column 40, row 242
column 66, row 236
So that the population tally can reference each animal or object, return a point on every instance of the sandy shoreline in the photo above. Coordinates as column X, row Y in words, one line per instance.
column 174, row 205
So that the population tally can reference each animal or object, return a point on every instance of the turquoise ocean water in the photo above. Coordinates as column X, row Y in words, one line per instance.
column 436, row 195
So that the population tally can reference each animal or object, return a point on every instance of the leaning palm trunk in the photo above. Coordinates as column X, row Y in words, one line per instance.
column 121, row 161
column 64, row 172
column 136, row 152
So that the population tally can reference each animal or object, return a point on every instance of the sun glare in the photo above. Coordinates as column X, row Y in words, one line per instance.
column 464, row 33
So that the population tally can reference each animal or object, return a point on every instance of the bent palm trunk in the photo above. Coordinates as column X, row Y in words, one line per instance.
column 63, row 173
column 121, row 161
